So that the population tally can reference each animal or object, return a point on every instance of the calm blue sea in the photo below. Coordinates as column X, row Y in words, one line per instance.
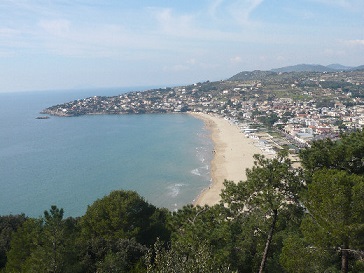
column 71, row 162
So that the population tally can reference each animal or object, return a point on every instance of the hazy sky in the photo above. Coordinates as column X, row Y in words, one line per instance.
column 54, row 44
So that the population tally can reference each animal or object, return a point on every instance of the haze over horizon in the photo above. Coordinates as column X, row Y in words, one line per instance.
column 47, row 45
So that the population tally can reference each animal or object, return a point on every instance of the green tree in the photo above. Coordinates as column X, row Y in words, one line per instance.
column 44, row 245
column 122, row 255
column 335, row 218
column 116, row 229
column 199, row 259
column 124, row 214
column 271, row 187
column 193, row 225
column 54, row 232
column 8, row 225
column 268, row 119
column 319, row 155
column 298, row 256
column 24, row 241
column 346, row 154
column 52, row 253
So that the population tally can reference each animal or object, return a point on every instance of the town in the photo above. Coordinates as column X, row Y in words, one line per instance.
column 291, row 108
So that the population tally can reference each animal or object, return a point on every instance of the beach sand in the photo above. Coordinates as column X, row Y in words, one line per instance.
column 233, row 154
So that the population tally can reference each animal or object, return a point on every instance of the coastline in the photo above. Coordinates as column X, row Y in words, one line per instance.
column 233, row 154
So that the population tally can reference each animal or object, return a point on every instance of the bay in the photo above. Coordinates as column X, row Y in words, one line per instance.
column 70, row 162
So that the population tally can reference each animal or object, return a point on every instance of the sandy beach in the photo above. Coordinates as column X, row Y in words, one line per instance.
column 233, row 153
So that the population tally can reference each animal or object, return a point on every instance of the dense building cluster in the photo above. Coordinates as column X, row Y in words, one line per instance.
column 303, row 106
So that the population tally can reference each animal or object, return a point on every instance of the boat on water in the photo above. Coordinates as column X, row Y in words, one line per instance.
column 42, row 117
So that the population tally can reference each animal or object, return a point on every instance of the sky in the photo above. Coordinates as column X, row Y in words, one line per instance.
column 68, row 44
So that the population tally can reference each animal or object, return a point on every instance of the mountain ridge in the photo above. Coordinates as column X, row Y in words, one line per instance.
column 299, row 68
column 316, row 68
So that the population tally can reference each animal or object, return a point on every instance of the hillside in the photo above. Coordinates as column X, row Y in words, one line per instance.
column 361, row 67
column 294, row 69
column 316, row 68
column 339, row 67
column 251, row 75
column 304, row 68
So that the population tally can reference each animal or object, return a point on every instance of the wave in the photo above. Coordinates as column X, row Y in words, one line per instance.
column 174, row 190
column 196, row 172
column 201, row 171
column 199, row 154
column 202, row 153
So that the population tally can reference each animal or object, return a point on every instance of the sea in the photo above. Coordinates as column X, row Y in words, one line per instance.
column 71, row 162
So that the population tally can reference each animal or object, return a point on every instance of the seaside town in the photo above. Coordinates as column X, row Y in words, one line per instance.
column 278, row 109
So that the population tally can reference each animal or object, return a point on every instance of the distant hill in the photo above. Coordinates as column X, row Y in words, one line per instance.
column 294, row 71
column 304, row 68
column 251, row 75
column 339, row 67
column 361, row 67
column 316, row 68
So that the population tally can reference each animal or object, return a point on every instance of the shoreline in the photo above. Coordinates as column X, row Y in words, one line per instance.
column 233, row 154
